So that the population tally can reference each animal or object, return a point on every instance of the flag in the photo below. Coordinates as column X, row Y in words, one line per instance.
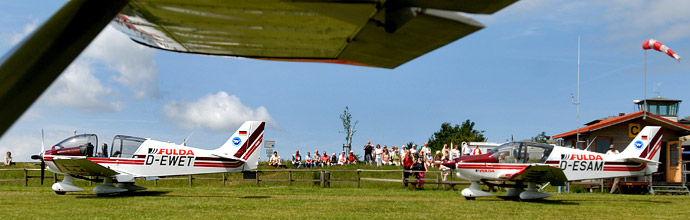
column 243, row 133
column 644, row 137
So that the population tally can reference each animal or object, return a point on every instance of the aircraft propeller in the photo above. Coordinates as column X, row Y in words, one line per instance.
column 40, row 157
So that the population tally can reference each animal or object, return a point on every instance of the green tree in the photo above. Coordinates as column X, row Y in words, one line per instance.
column 457, row 133
column 348, row 128
column 541, row 138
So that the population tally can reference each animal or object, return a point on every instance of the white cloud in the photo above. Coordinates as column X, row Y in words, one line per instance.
column 135, row 63
column 664, row 20
column 78, row 88
column 28, row 28
column 218, row 112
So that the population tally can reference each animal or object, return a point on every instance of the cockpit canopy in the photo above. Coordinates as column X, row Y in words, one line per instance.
column 78, row 145
column 522, row 152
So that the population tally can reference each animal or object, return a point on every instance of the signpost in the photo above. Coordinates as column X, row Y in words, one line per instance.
column 269, row 145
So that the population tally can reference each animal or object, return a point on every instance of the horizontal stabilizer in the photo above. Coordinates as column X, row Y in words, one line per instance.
column 641, row 160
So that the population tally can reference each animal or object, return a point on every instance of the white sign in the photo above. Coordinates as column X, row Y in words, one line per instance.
column 269, row 144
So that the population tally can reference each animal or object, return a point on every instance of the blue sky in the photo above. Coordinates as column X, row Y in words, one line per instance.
column 515, row 77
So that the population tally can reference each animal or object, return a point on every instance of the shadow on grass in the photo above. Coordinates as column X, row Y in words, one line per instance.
column 540, row 201
column 125, row 194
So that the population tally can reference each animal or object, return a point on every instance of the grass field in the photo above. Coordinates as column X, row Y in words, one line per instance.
column 210, row 200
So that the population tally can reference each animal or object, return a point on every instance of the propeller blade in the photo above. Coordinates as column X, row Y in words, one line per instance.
column 43, row 170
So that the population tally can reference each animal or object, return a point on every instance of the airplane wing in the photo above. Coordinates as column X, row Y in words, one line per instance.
column 377, row 33
column 83, row 167
column 540, row 173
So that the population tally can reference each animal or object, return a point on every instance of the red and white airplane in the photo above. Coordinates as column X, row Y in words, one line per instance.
column 525, row 164
column 133, row 157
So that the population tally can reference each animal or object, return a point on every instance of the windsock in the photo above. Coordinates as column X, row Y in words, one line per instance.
column 651, row 43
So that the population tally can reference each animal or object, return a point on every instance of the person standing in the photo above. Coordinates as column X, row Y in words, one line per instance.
column 466, row 150
column 476, row 150
column 454, row 153
column 407, row 166
column 612, row 152
column 379, row 155
column 367, row 152
column 426, row 148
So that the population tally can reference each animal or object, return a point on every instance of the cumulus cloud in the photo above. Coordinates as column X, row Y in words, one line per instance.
column 134, row 63
column 28, row 28
column 218, row 112
column 78, row 88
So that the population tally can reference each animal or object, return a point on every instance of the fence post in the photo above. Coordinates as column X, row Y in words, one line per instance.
column 358, row 178
column 190, row 180
column 155, row 182
column 26, row 178
column 403, row 178
column 438, row 181
column 321, row 176
column 223, row 179
column 289, row 177
column 257, row 178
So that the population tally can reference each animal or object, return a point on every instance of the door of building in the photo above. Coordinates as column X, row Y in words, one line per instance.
column 674, row 166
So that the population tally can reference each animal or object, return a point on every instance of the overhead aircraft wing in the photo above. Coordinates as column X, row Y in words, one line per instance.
column 541, row 173
column 377, row 33
column 83, row 167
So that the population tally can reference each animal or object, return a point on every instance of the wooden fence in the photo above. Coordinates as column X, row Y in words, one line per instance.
column 324, row 179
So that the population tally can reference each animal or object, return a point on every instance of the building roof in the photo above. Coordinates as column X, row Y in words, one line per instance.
column 661, row 99
column 620, row 119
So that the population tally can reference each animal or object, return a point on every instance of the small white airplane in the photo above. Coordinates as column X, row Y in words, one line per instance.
column 133, row 157
column 521, row 163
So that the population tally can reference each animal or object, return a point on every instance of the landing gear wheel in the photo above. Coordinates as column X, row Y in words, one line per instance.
column 470, row 198
column 60, row 192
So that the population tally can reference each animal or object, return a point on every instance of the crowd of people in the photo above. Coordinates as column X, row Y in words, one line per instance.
column 315, row 160
column 379, row 155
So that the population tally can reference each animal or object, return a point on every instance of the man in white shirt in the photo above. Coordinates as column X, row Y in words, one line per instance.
column 613, row 151
column 426, row 149
column 466, row 150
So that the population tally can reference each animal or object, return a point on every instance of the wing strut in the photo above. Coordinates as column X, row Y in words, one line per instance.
column 30, row 67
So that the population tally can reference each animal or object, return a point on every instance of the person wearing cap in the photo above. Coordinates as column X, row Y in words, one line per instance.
column 351, row 159
column 612, row 152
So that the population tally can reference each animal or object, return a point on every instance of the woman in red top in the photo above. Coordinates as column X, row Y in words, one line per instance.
column 351, row 159
column 407, row 165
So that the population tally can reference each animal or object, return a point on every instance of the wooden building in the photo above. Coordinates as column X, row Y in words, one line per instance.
column 620, row 130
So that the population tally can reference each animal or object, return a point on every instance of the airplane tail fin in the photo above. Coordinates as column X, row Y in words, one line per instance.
column 244, row 144
column 646, row 144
